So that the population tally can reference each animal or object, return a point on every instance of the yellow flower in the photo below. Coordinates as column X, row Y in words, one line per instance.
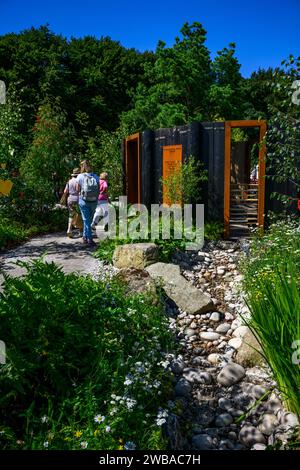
column 120, row 447
column 78, row 434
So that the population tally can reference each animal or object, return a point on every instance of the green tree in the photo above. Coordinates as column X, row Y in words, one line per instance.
column 50, row 157
column 226, row 92
column 179, row 82
column 283, row 135
column 104, row 153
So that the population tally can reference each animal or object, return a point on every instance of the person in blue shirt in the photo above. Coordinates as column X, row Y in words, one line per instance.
column 88, row 186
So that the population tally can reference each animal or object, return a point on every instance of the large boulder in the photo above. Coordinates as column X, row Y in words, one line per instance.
column 135, row 255
column 187, row 297
column 138, row 281
column 249, row 354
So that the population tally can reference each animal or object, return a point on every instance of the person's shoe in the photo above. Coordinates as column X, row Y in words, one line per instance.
column 91, row 243
column 84, row 240
column 69, row 234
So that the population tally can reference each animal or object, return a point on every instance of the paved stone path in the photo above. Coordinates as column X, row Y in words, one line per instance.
column 68, row 253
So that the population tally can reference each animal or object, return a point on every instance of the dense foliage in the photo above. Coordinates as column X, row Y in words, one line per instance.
column 85, row 366
column 78, row 98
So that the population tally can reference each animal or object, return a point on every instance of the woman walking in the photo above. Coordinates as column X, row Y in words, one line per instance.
column 103, row 200
column 73, row 196
column 88, row 188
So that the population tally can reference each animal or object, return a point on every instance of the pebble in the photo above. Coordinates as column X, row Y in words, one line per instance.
column 229, row 316
column 249, row 436
column 182, row 388
column 215, row 316
column 231, row 374
column 177, row 366
column 268, row 424
column 259, row 447
column 288, row 420
column 240, row 331
column 209, row 336
column 235, row 342
column 223, row 328
column 202, row 442
column 224, row 403
column 214, row 358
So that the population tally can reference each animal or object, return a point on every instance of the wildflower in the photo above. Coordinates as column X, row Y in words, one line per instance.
column 44, row 419
column 129, row 445
column 78, row 433
column 84, row 444
column 130, row 403
column 160, row 421
column 128, row 382
column 99, row 419
column 107, row 429
column 46, row 444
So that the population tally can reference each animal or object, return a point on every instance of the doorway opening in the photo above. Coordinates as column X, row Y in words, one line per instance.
column 133, row 169
column 244, row 177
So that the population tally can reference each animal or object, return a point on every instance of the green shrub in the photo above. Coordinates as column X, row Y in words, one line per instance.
column 213, row 231
column 77, row 350
column 13, row 233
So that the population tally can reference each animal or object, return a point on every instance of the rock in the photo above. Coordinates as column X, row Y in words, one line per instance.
column 214, row 358
column 209, row 336
column 249, row 436
column 236, row 323
column 196, row 376
column 249, row 352
column 242, row 400
column 225, row 419
column 240, row 331
column 268, row 424
column 177, row 366
column 135, row 255
column 231, row 374
column 215, row 316
column 273, row 404
column 182, row 388
column 189, row 332
column 187, row 297
column 259, row 447
column 235, row 343
column 202, row 442
column 258, row 391
column 229, row 316
column 289, row 420
column 224, row 403
column 138, row 281
column 223, row 328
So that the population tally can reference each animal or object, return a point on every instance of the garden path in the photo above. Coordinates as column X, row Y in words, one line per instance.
column 68, row 253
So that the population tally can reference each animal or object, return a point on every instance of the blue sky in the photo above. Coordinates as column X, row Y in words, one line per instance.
column 265, row 31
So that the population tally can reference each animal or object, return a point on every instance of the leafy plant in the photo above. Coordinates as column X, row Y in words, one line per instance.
column 272, row 285
column 85, row 365
column 183, row 185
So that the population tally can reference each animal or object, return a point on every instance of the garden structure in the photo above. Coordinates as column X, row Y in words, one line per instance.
column 236, row 192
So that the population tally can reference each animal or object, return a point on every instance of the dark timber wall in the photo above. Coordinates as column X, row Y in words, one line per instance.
column 206, row 142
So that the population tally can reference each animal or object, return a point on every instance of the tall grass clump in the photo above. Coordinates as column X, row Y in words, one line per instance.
column 272, row 286
column 86, row 364
column 275, row 319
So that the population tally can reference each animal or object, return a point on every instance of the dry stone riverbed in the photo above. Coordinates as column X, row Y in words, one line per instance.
column 223, row 388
